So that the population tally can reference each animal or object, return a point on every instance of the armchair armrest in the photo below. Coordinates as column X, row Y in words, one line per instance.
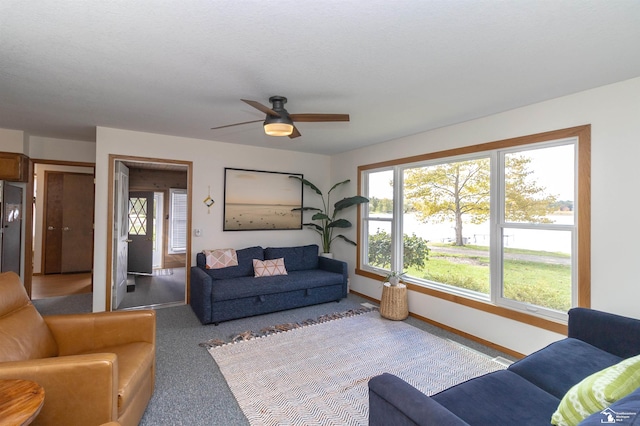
column 80, row 333
column 200, row 297
column 79, row 389
column 392, row 401
column 615, row 334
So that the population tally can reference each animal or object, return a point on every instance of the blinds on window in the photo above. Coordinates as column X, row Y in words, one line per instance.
column 178, row 221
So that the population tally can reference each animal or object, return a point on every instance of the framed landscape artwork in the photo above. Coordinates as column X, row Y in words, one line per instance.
column 260, row 200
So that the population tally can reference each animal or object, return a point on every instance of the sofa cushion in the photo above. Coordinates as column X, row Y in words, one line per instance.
column 269, row 267
column 242, row 287
column 598, row 391
column 243, row 269
column 499, row 398
column 299, row 258
column 623, row 412
column 220, row 258
column 562, row 364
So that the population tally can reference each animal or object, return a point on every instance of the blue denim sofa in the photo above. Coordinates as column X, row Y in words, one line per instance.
column 529, row 391
column 229, row 293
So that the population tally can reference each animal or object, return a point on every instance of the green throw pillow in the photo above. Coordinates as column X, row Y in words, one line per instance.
column 597, row 392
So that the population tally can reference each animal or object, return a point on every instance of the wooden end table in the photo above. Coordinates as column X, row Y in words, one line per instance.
column 20, row 401
column 393, row 304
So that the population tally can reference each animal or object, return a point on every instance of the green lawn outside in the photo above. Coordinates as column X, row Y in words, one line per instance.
column 535, row 282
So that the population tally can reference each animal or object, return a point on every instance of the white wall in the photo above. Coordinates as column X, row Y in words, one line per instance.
column 12, row 141
column 61, row 150
column 613, row 111
column 209, row 160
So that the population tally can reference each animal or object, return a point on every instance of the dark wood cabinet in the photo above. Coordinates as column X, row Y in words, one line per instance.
column 14, row 167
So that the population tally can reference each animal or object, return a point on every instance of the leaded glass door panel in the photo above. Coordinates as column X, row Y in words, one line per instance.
column 140, row 232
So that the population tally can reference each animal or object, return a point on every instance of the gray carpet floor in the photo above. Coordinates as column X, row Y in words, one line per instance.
column 72, row 304
column 190, row 389
column 164, row 286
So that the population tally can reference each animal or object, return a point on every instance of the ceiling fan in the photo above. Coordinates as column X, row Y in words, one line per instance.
column 279, row 122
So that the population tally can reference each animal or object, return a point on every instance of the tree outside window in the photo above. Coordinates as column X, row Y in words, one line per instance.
column 498, row 225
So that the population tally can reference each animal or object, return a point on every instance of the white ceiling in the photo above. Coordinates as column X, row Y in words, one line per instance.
column 397, row 67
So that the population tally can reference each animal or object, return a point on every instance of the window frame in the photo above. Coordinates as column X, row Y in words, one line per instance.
column 581, row 295
column 171, row 249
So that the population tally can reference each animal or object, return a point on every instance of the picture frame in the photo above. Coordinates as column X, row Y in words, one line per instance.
column 258, row 200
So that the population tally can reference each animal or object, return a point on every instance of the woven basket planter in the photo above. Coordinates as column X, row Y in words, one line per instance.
column 393, row 304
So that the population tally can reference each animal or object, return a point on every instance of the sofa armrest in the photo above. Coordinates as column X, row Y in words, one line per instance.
column 200, row 296
column 79, row 389
column 79, row 333
column 392, row 401
column 615, row 334
column 337, row 266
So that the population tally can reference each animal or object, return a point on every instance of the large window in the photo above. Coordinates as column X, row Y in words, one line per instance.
column 503, row 223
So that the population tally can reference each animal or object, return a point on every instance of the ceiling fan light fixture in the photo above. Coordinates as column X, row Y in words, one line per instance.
column 279, row 122
column 278, row 126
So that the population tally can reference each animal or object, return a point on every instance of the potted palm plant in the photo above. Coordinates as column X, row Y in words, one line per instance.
column 327, row 220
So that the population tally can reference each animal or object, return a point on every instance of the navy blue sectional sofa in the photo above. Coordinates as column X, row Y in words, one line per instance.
column 529, row 391
column 233, row 292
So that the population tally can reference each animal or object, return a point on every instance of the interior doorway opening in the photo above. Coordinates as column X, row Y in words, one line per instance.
column 61, row 260
column 146, row 268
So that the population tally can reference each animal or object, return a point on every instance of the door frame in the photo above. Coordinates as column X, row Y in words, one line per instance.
column 29, row 218
column 111, row 211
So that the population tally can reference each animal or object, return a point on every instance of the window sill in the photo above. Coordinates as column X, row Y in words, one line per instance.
column 556, row 327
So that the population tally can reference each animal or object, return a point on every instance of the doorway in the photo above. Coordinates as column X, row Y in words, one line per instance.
column 70, row 274
column 150, row 232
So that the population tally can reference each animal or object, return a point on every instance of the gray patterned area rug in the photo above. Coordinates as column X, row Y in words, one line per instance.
column 317, row 374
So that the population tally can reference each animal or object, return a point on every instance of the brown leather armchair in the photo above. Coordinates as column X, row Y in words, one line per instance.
column 94, row 368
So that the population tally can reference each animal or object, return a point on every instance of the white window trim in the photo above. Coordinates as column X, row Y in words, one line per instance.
column 171, row 249
column 497, row 183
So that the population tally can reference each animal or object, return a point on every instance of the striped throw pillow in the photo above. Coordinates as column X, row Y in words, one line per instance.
column 597, row 391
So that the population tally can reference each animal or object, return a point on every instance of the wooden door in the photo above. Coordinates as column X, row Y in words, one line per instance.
column 52, row 241
column 68, row 241
column 77, row 223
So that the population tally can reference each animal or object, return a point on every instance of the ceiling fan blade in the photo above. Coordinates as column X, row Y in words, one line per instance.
column 259, row 106
column 295, row 133
column 236, row 124
column 316, row 118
